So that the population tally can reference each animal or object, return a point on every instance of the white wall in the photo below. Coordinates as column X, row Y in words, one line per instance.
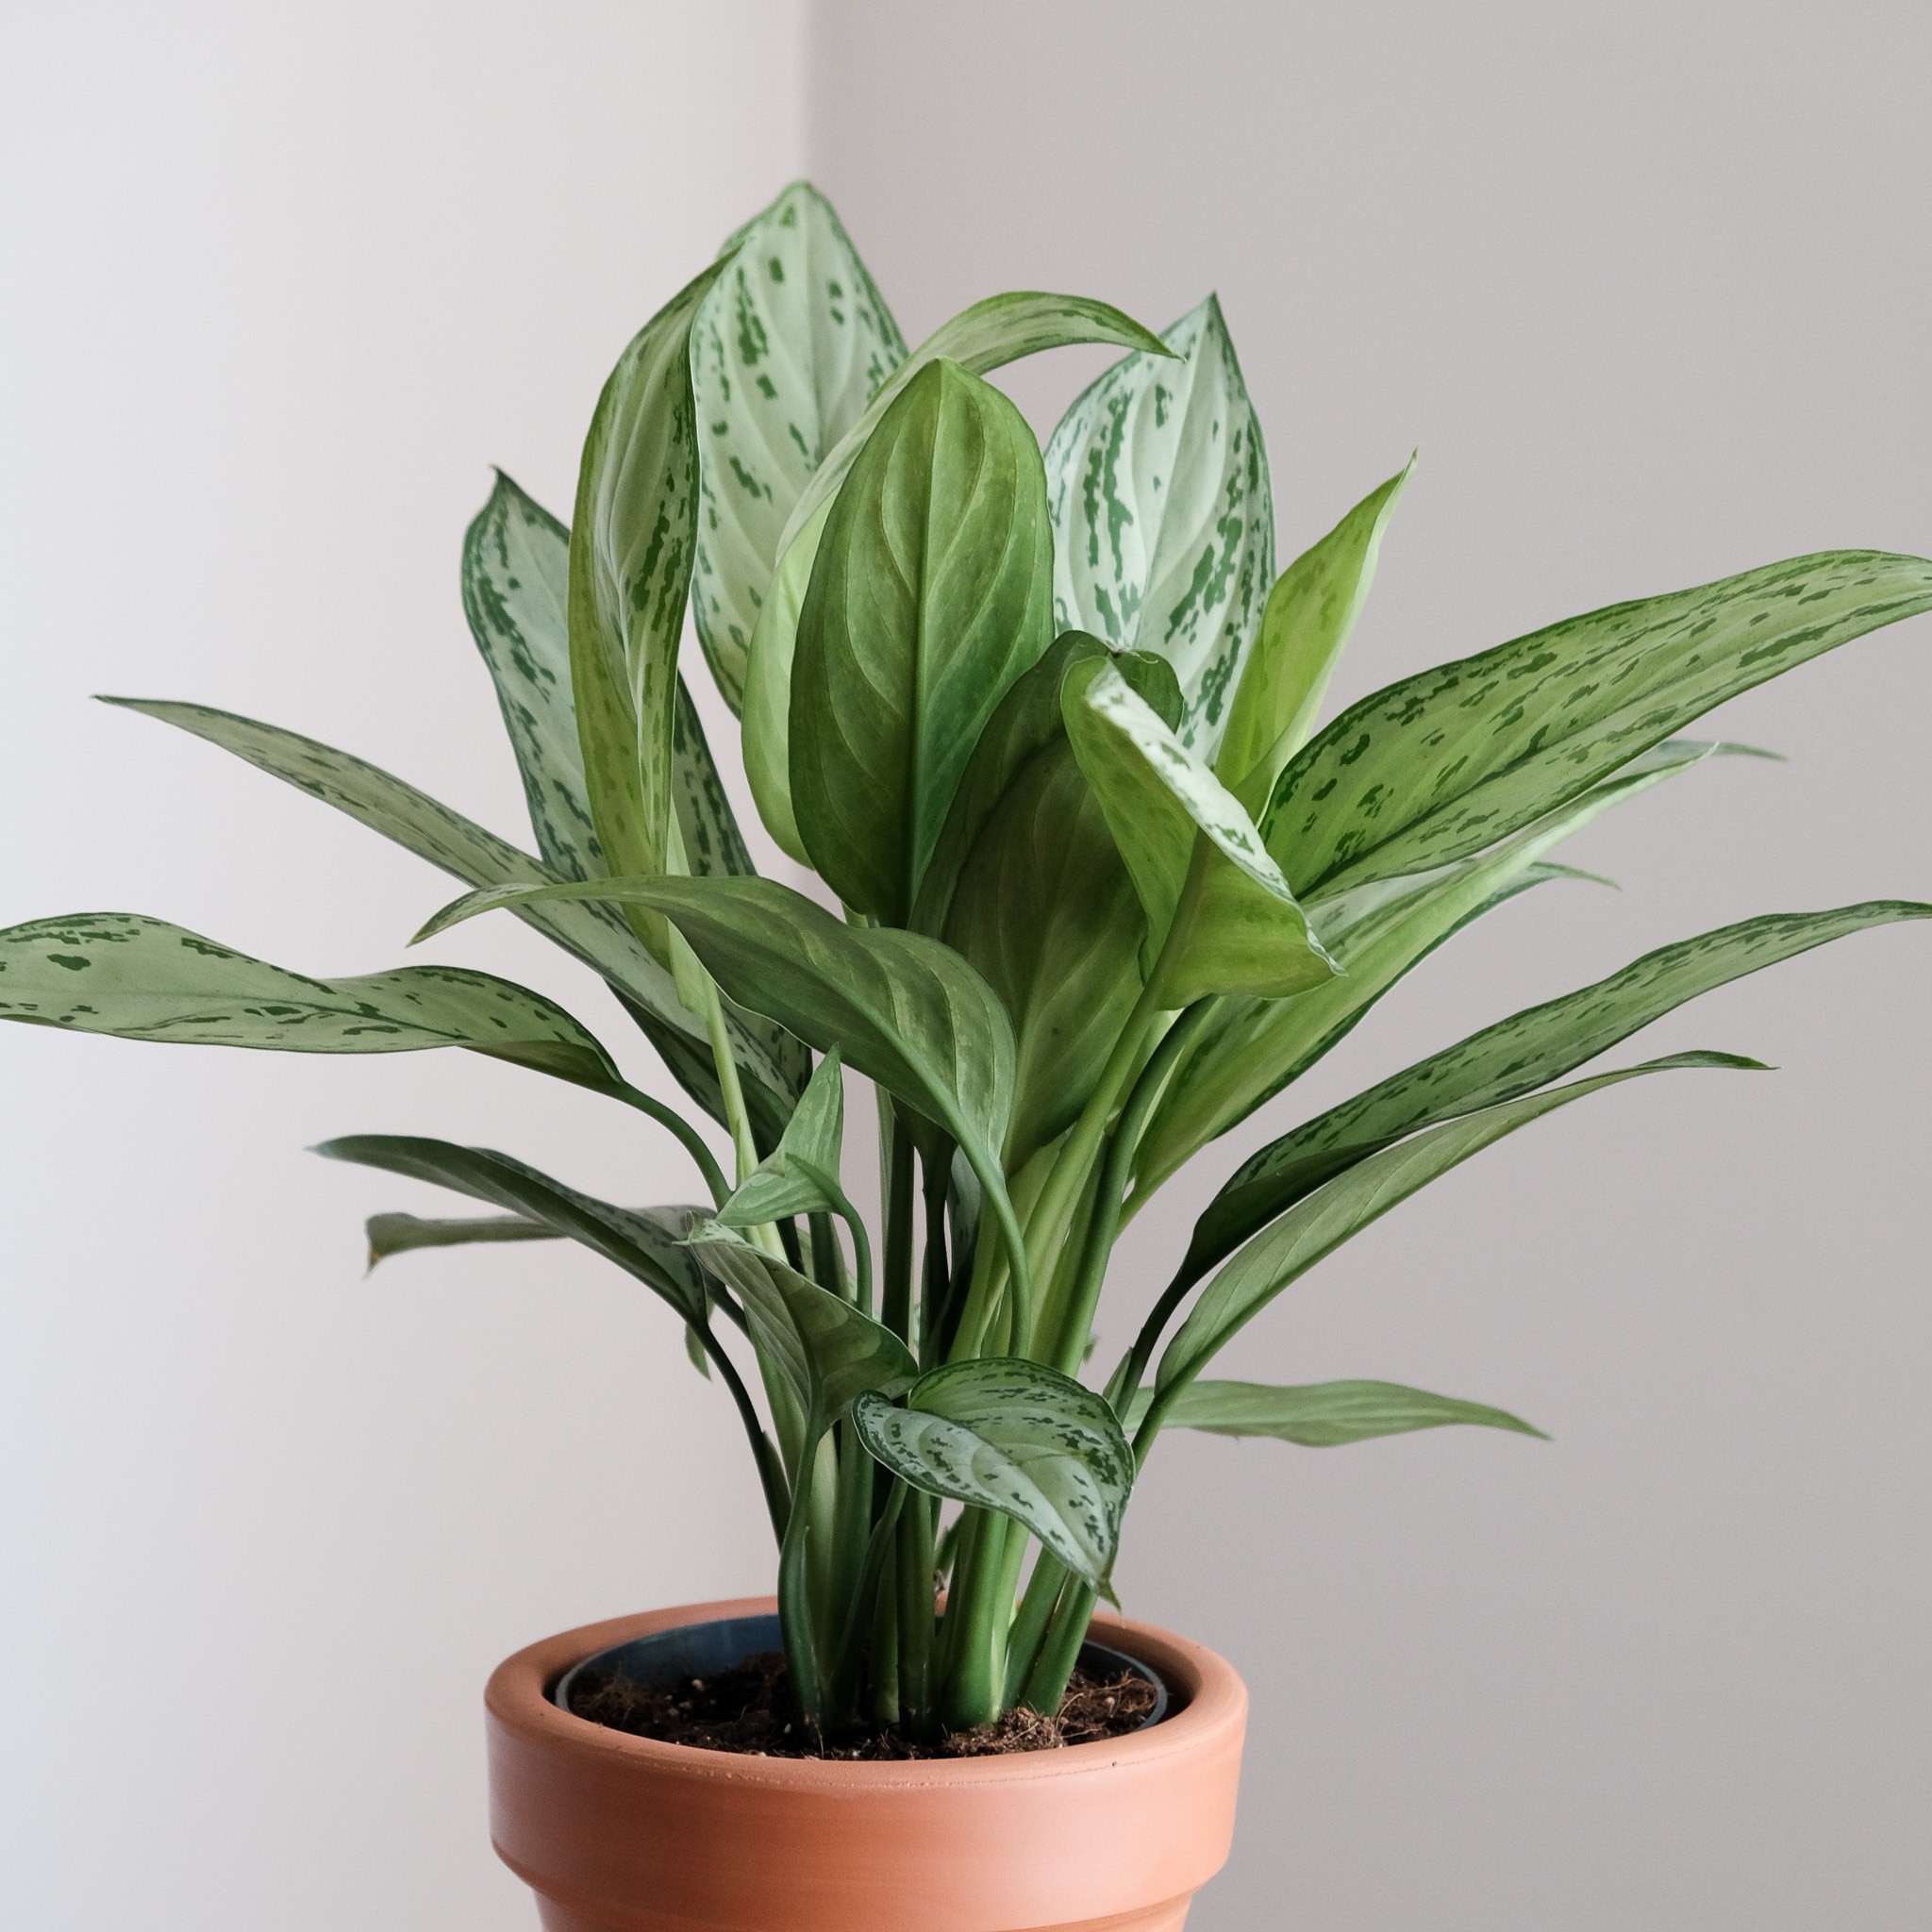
column 1649, row 286
column 280, row 283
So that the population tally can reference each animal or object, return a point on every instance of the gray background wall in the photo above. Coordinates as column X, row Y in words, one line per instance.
column 1649, row 292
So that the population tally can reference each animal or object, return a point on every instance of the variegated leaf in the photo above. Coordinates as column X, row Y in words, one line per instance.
column 1323, row 1415
column 1164, row 517
column 788, row 347
column 1439, row 765
column 1020, row 1438
column 400, row 1234
column 138, row 978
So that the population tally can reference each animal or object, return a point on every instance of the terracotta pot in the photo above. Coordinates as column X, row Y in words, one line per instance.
column 623, row 1834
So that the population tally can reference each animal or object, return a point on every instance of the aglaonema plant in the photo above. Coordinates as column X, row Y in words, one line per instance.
column 1096, row 888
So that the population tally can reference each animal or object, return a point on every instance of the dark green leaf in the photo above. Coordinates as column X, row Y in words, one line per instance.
column 1441, row 764
column 138, row 978
column 827, row 1349
column 1512, row 1058
column 1163, row 519
column 1020, row 1438
column 1315, row 1227
column 788, row 349
column 647, row 1243
column 1310, row 614
column 931, row 594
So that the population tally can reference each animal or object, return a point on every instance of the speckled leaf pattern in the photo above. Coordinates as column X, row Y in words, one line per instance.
column 1020, row 1438
column 1000, row 329
column 1377, row 934
column 1305, row 627
column 1315, row 1227
column 401, row 1234
column 1512, row 1058
column 1324, row 1415
column 825, row 1348
column 786, row 350
column 647, row 1243
column 774, row 1065
column 930, row 595
column 632, row 537
column 1163, row 519
column 1246, row 933
column 516, row 572
column 1445, row 763
column 903, row 1009
column 140, row 978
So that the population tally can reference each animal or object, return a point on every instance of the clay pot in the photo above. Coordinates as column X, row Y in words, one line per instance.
column 623, row 1834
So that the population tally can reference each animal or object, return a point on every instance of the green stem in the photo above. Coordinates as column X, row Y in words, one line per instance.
column 896, row 1306
column 1133, row 1368
column 1067, row 1346
column 794, row 1598
column 737, row 1115
column 771, row 1465
column 1047, row 1684
column 976, row 1662
column 687, row 1135
column 859, row 1612
column 936, row 1275
column 915, row 1623
column 1029, row 1624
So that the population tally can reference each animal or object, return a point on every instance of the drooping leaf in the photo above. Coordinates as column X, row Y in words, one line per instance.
column 1243, row 929
column 1512, row 1058
column 1163, row 517
column 1377, row 934
column 647, row 1243
column 1316, row 1226
column 1439, row 765
column 1020, row 1438
column 904, row 1011
column 771, row 1064
column 1323, row 1415
column 930, row 595
column 632, row 537
column 788, row 348
column 140, row 978
column 398, row 1234
column 1305, row 627
column 1000, row 329
column 825, row 1348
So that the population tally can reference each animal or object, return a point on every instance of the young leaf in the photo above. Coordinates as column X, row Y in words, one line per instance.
column 397, row 1234
column 1323, row 1415
column 1378, row 934
column 647, row 1243
column 1441, row 764
column 786, row 350
column 1020, row 1438
column 774, row 1067
column 138, row 978
column 1510, row 1058
column 1305, row 626
column 631, row 559
column 1315, row 1227
column 1241, row 931
column 828, row 1350
column 930, row 595
column 1163, row 517
column 1000, row 329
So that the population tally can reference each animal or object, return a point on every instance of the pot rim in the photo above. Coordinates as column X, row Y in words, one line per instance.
column 518, row 1697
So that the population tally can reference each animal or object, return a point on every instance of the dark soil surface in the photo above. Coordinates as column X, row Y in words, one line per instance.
column 748, row 1709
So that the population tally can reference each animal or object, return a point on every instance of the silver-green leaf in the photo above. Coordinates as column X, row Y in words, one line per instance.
column 788, row 349
column 1324, row 1415
column 1163, row 516
column 1016, row 1436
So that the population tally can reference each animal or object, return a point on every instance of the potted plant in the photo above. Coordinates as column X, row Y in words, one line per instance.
column 1045, row 726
